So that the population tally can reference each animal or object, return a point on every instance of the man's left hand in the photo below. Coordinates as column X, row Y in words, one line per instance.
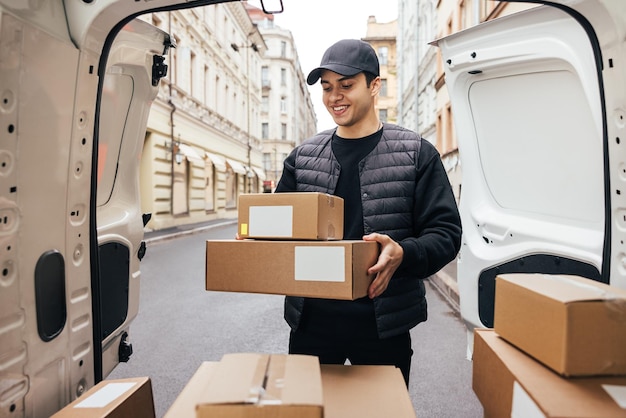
column 391, row 254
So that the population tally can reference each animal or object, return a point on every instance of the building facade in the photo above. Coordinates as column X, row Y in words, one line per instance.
column 287, row 114
column 382, row 37
column 204, row 140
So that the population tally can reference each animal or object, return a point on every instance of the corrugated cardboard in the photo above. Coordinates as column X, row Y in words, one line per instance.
column 348, row 392
column 509, row 383
column 320, row 269
column 573, row 325
column 113, row 399
column 254, row 386
column 365, row 392
column 299, row 216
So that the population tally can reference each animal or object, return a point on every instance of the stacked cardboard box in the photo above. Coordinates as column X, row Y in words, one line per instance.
column 294, row 246
column 558, row 349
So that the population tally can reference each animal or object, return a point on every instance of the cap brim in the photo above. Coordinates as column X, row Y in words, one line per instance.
column 336, row 68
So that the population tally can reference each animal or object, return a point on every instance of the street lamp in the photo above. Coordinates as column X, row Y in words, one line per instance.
column 255, row 48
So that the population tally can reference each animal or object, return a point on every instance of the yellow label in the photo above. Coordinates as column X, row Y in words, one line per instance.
column 244, row 229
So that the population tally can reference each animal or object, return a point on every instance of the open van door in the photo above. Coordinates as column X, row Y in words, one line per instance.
column 539, row 102
column 77, row 79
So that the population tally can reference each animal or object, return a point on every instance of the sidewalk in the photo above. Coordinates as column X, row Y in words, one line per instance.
column 444, row 281
column 178, row 231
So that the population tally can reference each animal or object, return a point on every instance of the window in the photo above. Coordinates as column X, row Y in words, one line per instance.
column 265, row 76
column 383, row 55
column 283, row 105
column 382, row 115
column 283, row 76
column 180, row 188
column 209, row 187
column 231, row 188
column 265, row 104
column 383, row 87
column 283, row 131
column 283, row 49
column 265, row 130
column 267, row 161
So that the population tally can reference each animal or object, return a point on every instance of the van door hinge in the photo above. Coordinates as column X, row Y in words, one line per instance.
column 159, row 69
column 125, row 350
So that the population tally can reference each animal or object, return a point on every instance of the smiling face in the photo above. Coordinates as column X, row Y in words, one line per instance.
column 351, row 103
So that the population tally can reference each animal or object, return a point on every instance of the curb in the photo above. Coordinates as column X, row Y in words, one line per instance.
column 447, row 287
column 168, row 236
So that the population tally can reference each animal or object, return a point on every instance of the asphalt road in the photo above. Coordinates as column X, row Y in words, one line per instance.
column 180, row 325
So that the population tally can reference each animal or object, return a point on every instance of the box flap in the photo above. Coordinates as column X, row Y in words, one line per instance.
column 238, row 378
column 263, row 379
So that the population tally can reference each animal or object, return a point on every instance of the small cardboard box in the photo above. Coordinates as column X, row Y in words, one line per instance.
column 319, row 269
column 573, row 325
column 509, row 383
column 299, row 216
column 253, row 386
column 347, row 391
column 113, row 398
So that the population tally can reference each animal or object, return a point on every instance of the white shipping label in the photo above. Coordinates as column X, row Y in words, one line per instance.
column 271, row 221
column 106, row 395
column 320, row 264
column 523, row 406
column 618, row 393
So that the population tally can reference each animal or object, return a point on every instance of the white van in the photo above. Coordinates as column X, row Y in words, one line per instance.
column 77, row 78
column 539, row 102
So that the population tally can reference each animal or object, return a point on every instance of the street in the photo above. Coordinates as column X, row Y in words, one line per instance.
column 180, row 325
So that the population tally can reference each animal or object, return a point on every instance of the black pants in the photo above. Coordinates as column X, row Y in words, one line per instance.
column 394, row 351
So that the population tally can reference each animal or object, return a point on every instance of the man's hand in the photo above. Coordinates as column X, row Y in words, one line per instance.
column 391, row 254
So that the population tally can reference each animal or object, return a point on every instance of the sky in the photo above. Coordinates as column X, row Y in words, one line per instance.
column 318, row 24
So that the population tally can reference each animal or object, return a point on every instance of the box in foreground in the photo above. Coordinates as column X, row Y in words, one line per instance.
column 319, row 269
column 573, row 325
column 300, row 216
column 253, row 385
column 510, row 383
column 348, row 392
column 113, row 398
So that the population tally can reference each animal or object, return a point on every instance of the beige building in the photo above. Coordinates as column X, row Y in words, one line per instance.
column 382, row 37
column 287, row 114
column 204, row 140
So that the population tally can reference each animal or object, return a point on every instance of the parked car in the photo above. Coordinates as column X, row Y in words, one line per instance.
column 539, row 103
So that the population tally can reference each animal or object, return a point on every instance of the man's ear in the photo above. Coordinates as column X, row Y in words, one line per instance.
column 375, row 86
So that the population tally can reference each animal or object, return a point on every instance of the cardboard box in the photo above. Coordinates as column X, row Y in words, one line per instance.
column 509, row 383
column 253, row 386
column 365, row 392
column 573, row 325
column 113, row 399
column 299, row 216
column 348, row 392
column 319, row 269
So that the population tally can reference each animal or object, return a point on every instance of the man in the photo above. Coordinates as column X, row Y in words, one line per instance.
column 396, row 192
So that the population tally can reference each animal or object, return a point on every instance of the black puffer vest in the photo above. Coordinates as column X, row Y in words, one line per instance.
column 388, row 179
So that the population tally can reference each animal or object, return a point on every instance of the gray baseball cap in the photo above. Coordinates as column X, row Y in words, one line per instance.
column 347, row 57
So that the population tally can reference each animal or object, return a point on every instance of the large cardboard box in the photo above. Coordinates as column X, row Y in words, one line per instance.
column 118, row 398
column 299, row 216
column 348, row 392
column 247, row 385
column 573, row 325
column 509, row 383
column 319, row 269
